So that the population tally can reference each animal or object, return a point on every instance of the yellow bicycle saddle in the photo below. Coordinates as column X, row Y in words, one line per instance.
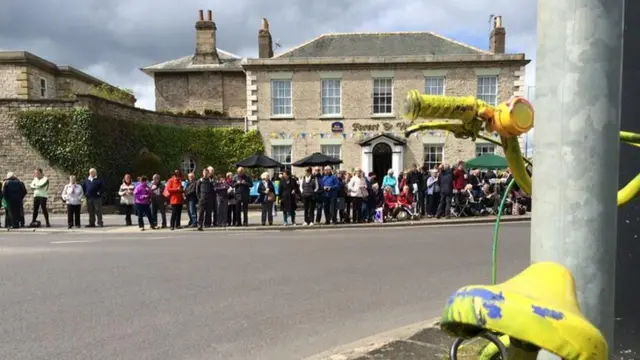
column 538, row 306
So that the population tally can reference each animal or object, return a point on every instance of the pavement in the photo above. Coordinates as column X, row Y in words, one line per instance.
column 116, row 223
column 243, row 295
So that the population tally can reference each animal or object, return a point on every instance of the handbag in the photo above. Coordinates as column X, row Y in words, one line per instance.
column 271, row 196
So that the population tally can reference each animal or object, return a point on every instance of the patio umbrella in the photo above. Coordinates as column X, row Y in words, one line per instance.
column 487, row 161
column 317, row 159
column 258, row 161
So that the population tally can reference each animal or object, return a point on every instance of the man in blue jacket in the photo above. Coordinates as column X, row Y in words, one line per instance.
column 329, row 183
column 93, row 188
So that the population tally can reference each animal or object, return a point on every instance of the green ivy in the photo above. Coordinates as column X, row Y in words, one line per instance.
column 123, row 96
column 78, row 139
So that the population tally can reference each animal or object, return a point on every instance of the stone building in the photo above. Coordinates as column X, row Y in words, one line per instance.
column 28, row 77
column 209, row 81
column 340, row 94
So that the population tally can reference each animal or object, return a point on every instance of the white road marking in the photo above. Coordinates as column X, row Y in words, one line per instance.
column 73, row 241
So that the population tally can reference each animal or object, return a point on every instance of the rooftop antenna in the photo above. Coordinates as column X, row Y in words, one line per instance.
column 277, row 43
column 491, row 18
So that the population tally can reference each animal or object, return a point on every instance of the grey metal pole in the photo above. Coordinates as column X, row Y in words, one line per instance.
column 627, row 332
column 578, row 77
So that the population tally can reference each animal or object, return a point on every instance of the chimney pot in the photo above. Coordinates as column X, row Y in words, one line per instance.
column 209, row 15
column 201, row 15
column 497, row 22
column 265, row 24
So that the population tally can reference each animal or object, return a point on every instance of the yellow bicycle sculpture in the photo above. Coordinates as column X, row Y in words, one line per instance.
column 536, row 309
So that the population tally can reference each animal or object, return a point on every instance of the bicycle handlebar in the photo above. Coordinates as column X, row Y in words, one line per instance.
column 418, row 105
column 510, row 118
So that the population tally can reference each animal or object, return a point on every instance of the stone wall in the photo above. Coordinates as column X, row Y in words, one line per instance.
column 217, row 91
column 125, row 112
column 9, row 86
column 16, row 155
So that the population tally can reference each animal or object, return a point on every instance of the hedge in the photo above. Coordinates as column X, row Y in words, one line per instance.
column 76, row 140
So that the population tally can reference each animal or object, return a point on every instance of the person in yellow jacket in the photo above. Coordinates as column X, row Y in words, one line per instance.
column 40, row 187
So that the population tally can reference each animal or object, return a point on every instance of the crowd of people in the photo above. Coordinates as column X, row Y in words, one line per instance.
column 325, row 196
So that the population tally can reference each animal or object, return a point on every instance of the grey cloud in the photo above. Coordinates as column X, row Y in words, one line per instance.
column 127, row 35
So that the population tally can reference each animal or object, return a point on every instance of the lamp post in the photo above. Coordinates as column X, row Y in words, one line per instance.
column 579, row 61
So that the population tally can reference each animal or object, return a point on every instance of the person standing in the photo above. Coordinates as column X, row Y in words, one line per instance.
column 309, row 186
column 14, row 192
column 72, row 196
column 231, row 197
column 446, row 183
column 142, row 197
column 330, row 185
column 212, row 220
column 358, row 192
column 288, row 190
column 40, row 187
column 267, row 195
column 126, row 198
column 317, row 173
column 93, row 188
column 174, row 191
column 433, row 193
column 205, row 192
column 158, row 201
column 221, row 189
column 191, row 196
column 242, row 184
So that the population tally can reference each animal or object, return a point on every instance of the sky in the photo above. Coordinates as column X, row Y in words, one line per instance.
column 113, row 39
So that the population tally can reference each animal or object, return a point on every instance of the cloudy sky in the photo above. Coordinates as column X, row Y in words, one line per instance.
column 112, row 39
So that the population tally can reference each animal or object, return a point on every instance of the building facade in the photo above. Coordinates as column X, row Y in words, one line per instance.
column 28, row 77
column 342, row 95
column 211, row 81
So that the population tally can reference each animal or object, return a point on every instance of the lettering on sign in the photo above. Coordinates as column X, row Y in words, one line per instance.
column 385, row 126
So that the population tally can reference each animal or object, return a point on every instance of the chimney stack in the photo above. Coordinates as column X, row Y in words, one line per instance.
column 265, row 43
column 498, row 36
column 206, row 52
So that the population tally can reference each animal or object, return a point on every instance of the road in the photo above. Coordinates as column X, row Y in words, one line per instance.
column 242, row 295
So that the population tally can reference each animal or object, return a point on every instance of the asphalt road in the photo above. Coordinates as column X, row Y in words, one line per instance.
column 242, row 295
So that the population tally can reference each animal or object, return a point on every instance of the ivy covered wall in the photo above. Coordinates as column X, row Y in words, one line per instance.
column 76, row 139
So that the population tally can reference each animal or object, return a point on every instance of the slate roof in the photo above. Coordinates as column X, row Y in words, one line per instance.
column 381, row 44
column 228, row 62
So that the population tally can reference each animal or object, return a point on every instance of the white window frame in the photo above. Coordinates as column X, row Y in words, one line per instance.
column 277, row 156
column 44, row 88
column 483, row 90
column 331, row 91
column 439, row 149
column 432, row 85
column 188, row 165
column 324, row 147
column 280, row 94
column 387, row 83
column 485, row 148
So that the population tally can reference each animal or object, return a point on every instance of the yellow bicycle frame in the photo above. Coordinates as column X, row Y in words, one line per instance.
column 509, row 119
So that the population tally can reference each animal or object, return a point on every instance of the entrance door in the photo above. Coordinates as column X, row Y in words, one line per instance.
column 382, row 160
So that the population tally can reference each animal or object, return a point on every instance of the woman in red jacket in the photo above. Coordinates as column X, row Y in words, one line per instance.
column 405, row 201
column 390, row 202
column 174, row 192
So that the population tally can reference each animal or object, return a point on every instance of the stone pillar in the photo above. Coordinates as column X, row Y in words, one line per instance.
column 366, row 160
